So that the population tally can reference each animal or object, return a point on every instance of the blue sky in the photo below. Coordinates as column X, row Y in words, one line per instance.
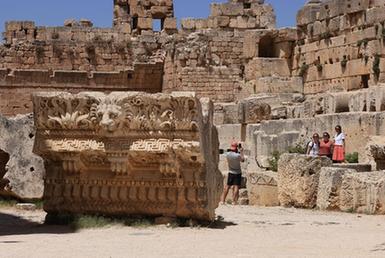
column 54, row 12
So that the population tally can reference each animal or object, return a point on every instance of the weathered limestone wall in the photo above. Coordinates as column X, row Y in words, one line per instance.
column 340, row 45
column 16, row 86
column 228, row 65
column 28, row 46
column 137, row 16
column 73, row 58
column 128, row 154
column 235, row 14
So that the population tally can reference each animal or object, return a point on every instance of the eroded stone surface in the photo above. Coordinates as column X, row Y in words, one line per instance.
column 128, row 153
column 298, row 178
column 329, row 187
column 21, row 171
column 262, row 188
column 363, row 193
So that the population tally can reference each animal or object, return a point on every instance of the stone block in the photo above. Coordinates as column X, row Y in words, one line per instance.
column 128, row 153
column 375, row 152
column 145, row 23
column 222, row 21
column 21, row 171
column 170, row 24
column 254, row 111
column 363, row 193
column 267, row 67
column 262, row 188
column 329, row 187
column 188, row 24
column 227, row 134
column 86, row 23
column 26, row 206
column 298, row 178
column 232, row 9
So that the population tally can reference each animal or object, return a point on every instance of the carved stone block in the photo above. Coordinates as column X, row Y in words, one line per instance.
column 128, row 154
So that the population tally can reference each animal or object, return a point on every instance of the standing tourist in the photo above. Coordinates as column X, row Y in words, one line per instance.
column 325, row 149
column 234, row 158
column 339, row 146
column 314, row 146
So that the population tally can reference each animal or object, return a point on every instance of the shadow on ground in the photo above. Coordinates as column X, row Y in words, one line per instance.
column 14, row 225
column 220, row 223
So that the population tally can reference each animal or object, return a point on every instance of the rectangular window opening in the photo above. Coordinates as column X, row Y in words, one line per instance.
column 365, row 81
column 157, row 24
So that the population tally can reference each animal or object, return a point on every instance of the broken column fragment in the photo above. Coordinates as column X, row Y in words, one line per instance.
column 128, row 154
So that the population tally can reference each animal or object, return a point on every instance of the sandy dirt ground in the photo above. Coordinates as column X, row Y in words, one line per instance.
column 245, row 232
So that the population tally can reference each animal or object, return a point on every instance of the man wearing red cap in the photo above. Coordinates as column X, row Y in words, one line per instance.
column 234, row 158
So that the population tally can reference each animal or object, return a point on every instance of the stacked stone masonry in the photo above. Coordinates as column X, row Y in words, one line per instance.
column 272, row 88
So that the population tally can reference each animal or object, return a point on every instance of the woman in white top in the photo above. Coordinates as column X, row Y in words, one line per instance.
column 339, row 146
column 313, row 146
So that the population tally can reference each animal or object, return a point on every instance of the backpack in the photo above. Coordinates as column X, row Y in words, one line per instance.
column 307, row 145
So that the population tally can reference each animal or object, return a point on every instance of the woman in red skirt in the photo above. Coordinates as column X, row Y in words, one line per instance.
column 339, row 146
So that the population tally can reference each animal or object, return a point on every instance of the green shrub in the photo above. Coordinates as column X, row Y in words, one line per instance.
column 376, row 66
column 303, row 69
column 273, row 161
column 7, row 202
column 362, row 42
column 77, row 222
column 352, row 157
column 344, row 62
column 326, row 35
column 297, row 149
column 319, row 67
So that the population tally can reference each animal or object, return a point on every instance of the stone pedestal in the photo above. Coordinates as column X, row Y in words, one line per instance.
column 262, row 188
column 363, row 193
column 298, row 178
column 329, row 187
column 128, row 154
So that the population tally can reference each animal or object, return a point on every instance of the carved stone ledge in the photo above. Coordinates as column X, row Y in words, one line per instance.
column 128, row 154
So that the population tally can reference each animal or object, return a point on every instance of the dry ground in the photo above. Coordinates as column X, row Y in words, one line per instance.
column 245, row 232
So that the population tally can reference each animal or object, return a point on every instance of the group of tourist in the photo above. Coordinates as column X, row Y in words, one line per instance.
column 333, row 149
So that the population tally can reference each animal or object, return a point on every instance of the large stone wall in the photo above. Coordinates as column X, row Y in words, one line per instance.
column 73, row 58
column 138, row 16
column 235, row 14
column 340, row 45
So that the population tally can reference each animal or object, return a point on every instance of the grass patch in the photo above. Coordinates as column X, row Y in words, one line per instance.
column 273, row 161
column 303, row 69
column 352, row 158
column 7, row 202
column 78, row 222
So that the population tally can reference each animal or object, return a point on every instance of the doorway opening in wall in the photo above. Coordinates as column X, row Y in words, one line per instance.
column 365, row 81
column 134, row 23
column 157, row 25
column 247, row 5
column 266, row 47
column 4, row 158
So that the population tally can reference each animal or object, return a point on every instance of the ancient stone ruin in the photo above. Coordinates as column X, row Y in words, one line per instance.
column 272, row 88
column 128, row 154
